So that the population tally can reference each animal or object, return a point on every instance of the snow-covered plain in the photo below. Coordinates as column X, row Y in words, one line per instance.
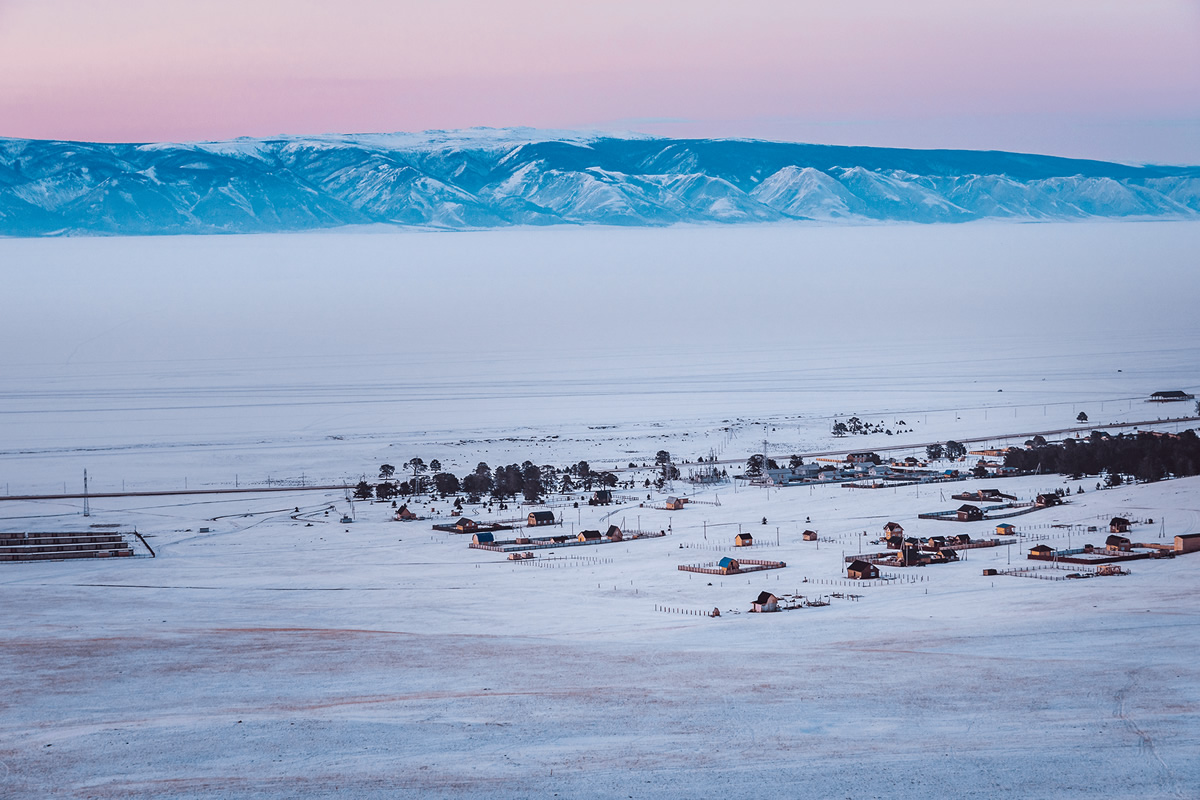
column 379, row 659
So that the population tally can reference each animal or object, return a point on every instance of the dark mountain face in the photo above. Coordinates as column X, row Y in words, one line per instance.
column 479, row 179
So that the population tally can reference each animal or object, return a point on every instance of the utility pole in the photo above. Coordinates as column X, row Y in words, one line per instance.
column 87, row 510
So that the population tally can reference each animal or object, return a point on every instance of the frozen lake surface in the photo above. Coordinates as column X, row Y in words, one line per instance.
column 281, row 654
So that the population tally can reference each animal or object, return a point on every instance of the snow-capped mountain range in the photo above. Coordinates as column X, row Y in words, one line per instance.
column 483, row 178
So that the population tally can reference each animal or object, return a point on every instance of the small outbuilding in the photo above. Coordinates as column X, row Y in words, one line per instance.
column 862, row 570
column 764, row 603
column 809, row 536
column 1047, row 500
column 728, row 565
column 1004, row 529
column 1118, row 525
column 588, row 536
column 540, row 518
column 483, row 538
column 743, row 540
column 465, row 525
column 1041, row 551
column 969, row 513
column 614, row 534
column 674, row 504
column 1187, row 543
column 404, row 514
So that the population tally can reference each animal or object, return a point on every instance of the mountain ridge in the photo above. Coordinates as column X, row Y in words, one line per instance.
column 483, row 178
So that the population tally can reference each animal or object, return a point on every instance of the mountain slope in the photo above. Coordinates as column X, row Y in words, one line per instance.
column 488, row 178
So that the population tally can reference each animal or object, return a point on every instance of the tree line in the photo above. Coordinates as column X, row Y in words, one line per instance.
column 1144, row 456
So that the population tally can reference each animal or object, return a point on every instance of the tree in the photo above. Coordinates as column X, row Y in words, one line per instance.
column 417, row 465
column 363, row 490
column 1112, row 479
column 839, row 429
column 385, row 490
column 446, row 483
column 386, row 471
column 955, row 450
column 1082, row 417
column 934, row 451
column 662, row 457
column 435, row 466
column 795, row 461
column 531, row 481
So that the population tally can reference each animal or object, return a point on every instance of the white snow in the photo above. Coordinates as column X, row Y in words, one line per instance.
column 383, row 659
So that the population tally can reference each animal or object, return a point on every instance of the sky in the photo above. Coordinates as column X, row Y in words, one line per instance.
column 1109, row 79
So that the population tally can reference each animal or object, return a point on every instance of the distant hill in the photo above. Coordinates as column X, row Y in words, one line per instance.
column 483, row 178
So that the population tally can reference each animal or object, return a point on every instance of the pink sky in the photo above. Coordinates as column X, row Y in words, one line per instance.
column 1098, row 78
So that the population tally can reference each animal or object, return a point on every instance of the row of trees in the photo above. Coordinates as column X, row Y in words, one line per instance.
column 527, row 480
column 1145, row 456
column 856, row 426
column 950, row 449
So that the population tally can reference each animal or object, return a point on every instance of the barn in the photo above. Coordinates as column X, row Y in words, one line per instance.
column 1117, row 544
column 969, row 513
column 614, row 533
column 588, row 536
column 1118, row 525
column 728, row 565
column 483, row 538
column 862, row 570
column 1187, row 543
column 540, row 518
column 765, row 602
column 674, row 504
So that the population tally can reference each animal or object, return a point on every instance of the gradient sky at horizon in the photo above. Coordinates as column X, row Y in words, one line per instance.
column 1107, row 79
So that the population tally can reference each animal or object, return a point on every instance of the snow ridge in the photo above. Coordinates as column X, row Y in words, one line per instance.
column 482, row 178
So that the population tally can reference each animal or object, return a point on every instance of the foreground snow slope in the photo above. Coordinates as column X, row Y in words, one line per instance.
column 377, row 659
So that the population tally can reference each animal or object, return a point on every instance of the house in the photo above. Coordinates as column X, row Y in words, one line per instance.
column 1004, row 529
column 863, row 458
column 404, row 514
column 1047, row 500
column 1041, row 551
column 893, row 529
column 961, row 540
column 809, row 536
column 936, row 542
column 1187, row 543
column 674, row 504
column 894, row 542
column 540, row 518
column 1118, row 525
column 765, row 602
column 728, row 565
column 588, row 536
column 483, row 538
column 465, row 525
column 1117, row 544
column 614, row 533
column 601, row 497
column 943, row 556
column 969, row 513
column 1170, row 397
column 862, row 570
column 743, row 540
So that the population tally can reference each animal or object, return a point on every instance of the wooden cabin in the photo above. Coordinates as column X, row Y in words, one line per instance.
column 1117, row 544
column 674, row 504
column 1047, row 500
column 960, row 540
column 1118, row 525
column 601, row 497
column 404, row 514
column 728, row 565
column 1041, row 551
column 969, row 513
column 893, row 529
column 588, row 536
column 765, row 602
column 943, row 556
column 614, row 534
column 540, row 518
column 936, row 542
column 809, row 536
column 465, row 525
column 743, row 540
column 1004, row 529
column 483, row 538
column 862, row 570
column 990, row 571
